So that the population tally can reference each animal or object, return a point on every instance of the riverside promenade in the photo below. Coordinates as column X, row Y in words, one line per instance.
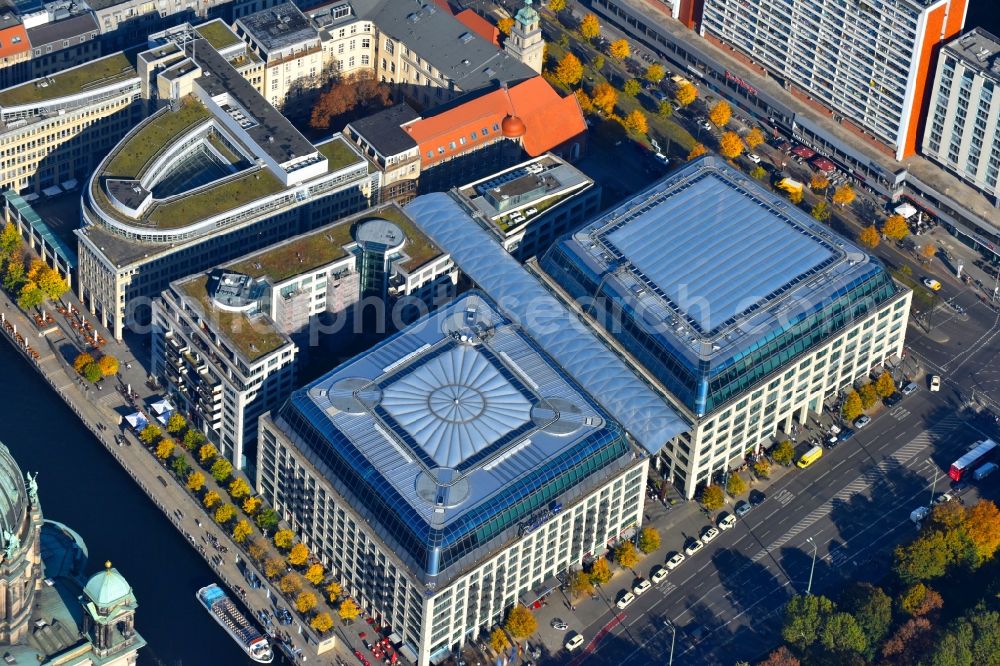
column 51, row 349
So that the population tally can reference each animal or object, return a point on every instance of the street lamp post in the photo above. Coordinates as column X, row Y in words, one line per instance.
column 673, row 637
column 812, row 569
column 937, row 473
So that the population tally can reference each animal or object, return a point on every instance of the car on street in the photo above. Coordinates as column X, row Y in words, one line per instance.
column 693, row 546
column 657, row 575
column 862, row 421
column 726, row 521
column 705, row 125
column 753, row 157
column 558, row 624
column 846, row 434
column 919, row 514
column 742, row 509
column 756, row 498
column 662, row 159
column 832, row 441
column 625, row 599
column 675, row 561
column 893, row 400
column 932, row 284
column 708, row 534
column 909, row 389
column 935, row 384
column 573, row 642
column 944, row 498
column 641, row 586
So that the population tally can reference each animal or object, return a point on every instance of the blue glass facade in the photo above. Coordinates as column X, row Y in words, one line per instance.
column 434, row 550
column 703, row 384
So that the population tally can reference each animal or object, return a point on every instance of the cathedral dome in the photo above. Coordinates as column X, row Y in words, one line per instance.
column 107, row 587
column 13, row 494
column 513, row 127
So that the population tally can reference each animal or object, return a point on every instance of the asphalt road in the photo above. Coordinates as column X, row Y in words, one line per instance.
column 726, row 601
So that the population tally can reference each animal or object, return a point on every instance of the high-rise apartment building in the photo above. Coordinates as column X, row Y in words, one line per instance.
column 963, row 128
column 868, row 63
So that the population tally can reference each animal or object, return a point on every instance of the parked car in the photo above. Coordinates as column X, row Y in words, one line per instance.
column 742, row 508
column 625, row 599
column 846, row 434
column 862, row 421
column 726, row 521
column 893, row 400
column 573, row 642
column 708, row 534
column 693, row 546
column 641, row 586
column 657, row 575
column 705, row 125
column 935, row 384
column 919, row 514
column 756, row 498
column 909, row 389
column 753, row 157
column 675, row 561
column 944, row 498
column 932, row 284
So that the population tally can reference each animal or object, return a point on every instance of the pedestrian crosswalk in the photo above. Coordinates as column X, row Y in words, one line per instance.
column 869, row 478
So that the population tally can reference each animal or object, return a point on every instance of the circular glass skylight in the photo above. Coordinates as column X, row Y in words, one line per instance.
column 455, row 405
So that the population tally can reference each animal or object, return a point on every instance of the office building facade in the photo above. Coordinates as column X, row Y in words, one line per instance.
column 226, row 344
column 530, row 205
column 449, row 473
column 748, row 313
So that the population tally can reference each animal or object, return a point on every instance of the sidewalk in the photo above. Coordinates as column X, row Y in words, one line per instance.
column 101, row 411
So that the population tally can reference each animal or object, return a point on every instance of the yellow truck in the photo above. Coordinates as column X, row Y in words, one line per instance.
column 790, row 185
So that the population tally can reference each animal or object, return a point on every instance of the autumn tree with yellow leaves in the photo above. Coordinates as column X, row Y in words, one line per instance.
column 298, row 555
column 605, row 97
column 569, row 70
column 685, row 94
column 619, row 49
column 635, row 122
column 697, row 151
column 754, row 138
column 720, row 113
column 731, row 145
column 869, row 237
column 590, row 28
column 895, row 227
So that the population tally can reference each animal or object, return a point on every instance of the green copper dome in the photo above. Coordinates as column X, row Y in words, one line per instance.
column 13, row 495
column 107, row 588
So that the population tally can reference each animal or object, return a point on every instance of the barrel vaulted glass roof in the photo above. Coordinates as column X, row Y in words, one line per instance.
column 645, row 414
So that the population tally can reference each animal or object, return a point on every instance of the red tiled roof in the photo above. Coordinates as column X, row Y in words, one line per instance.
column 479, row 25
column 549, row 119
column 8, row 47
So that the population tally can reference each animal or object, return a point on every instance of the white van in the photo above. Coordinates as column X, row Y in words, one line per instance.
column 573, row 642
column 984, row 471
column 919, row 514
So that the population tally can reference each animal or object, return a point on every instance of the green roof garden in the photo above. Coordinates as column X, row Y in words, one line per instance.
column 253, row 337
column 217, row 34
column 71, row 81
column 298, row 255
column 338, row 154
column 132, row 157
column 214, row 200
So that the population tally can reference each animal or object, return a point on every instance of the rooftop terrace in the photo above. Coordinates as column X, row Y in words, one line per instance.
column 339, row 154
column 225, row 196
column 132, row 156
column 218, row 34
column 326, row 244
column 89, row 76
column 254, row 336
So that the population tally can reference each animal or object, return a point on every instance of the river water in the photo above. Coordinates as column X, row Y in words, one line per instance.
column 81, row 485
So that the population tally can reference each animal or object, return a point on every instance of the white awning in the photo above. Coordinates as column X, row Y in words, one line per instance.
column 906, row 210
column 52, row 191
column 70, row 184
column 137, row 421
column 162, row 406
column 30, row 197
